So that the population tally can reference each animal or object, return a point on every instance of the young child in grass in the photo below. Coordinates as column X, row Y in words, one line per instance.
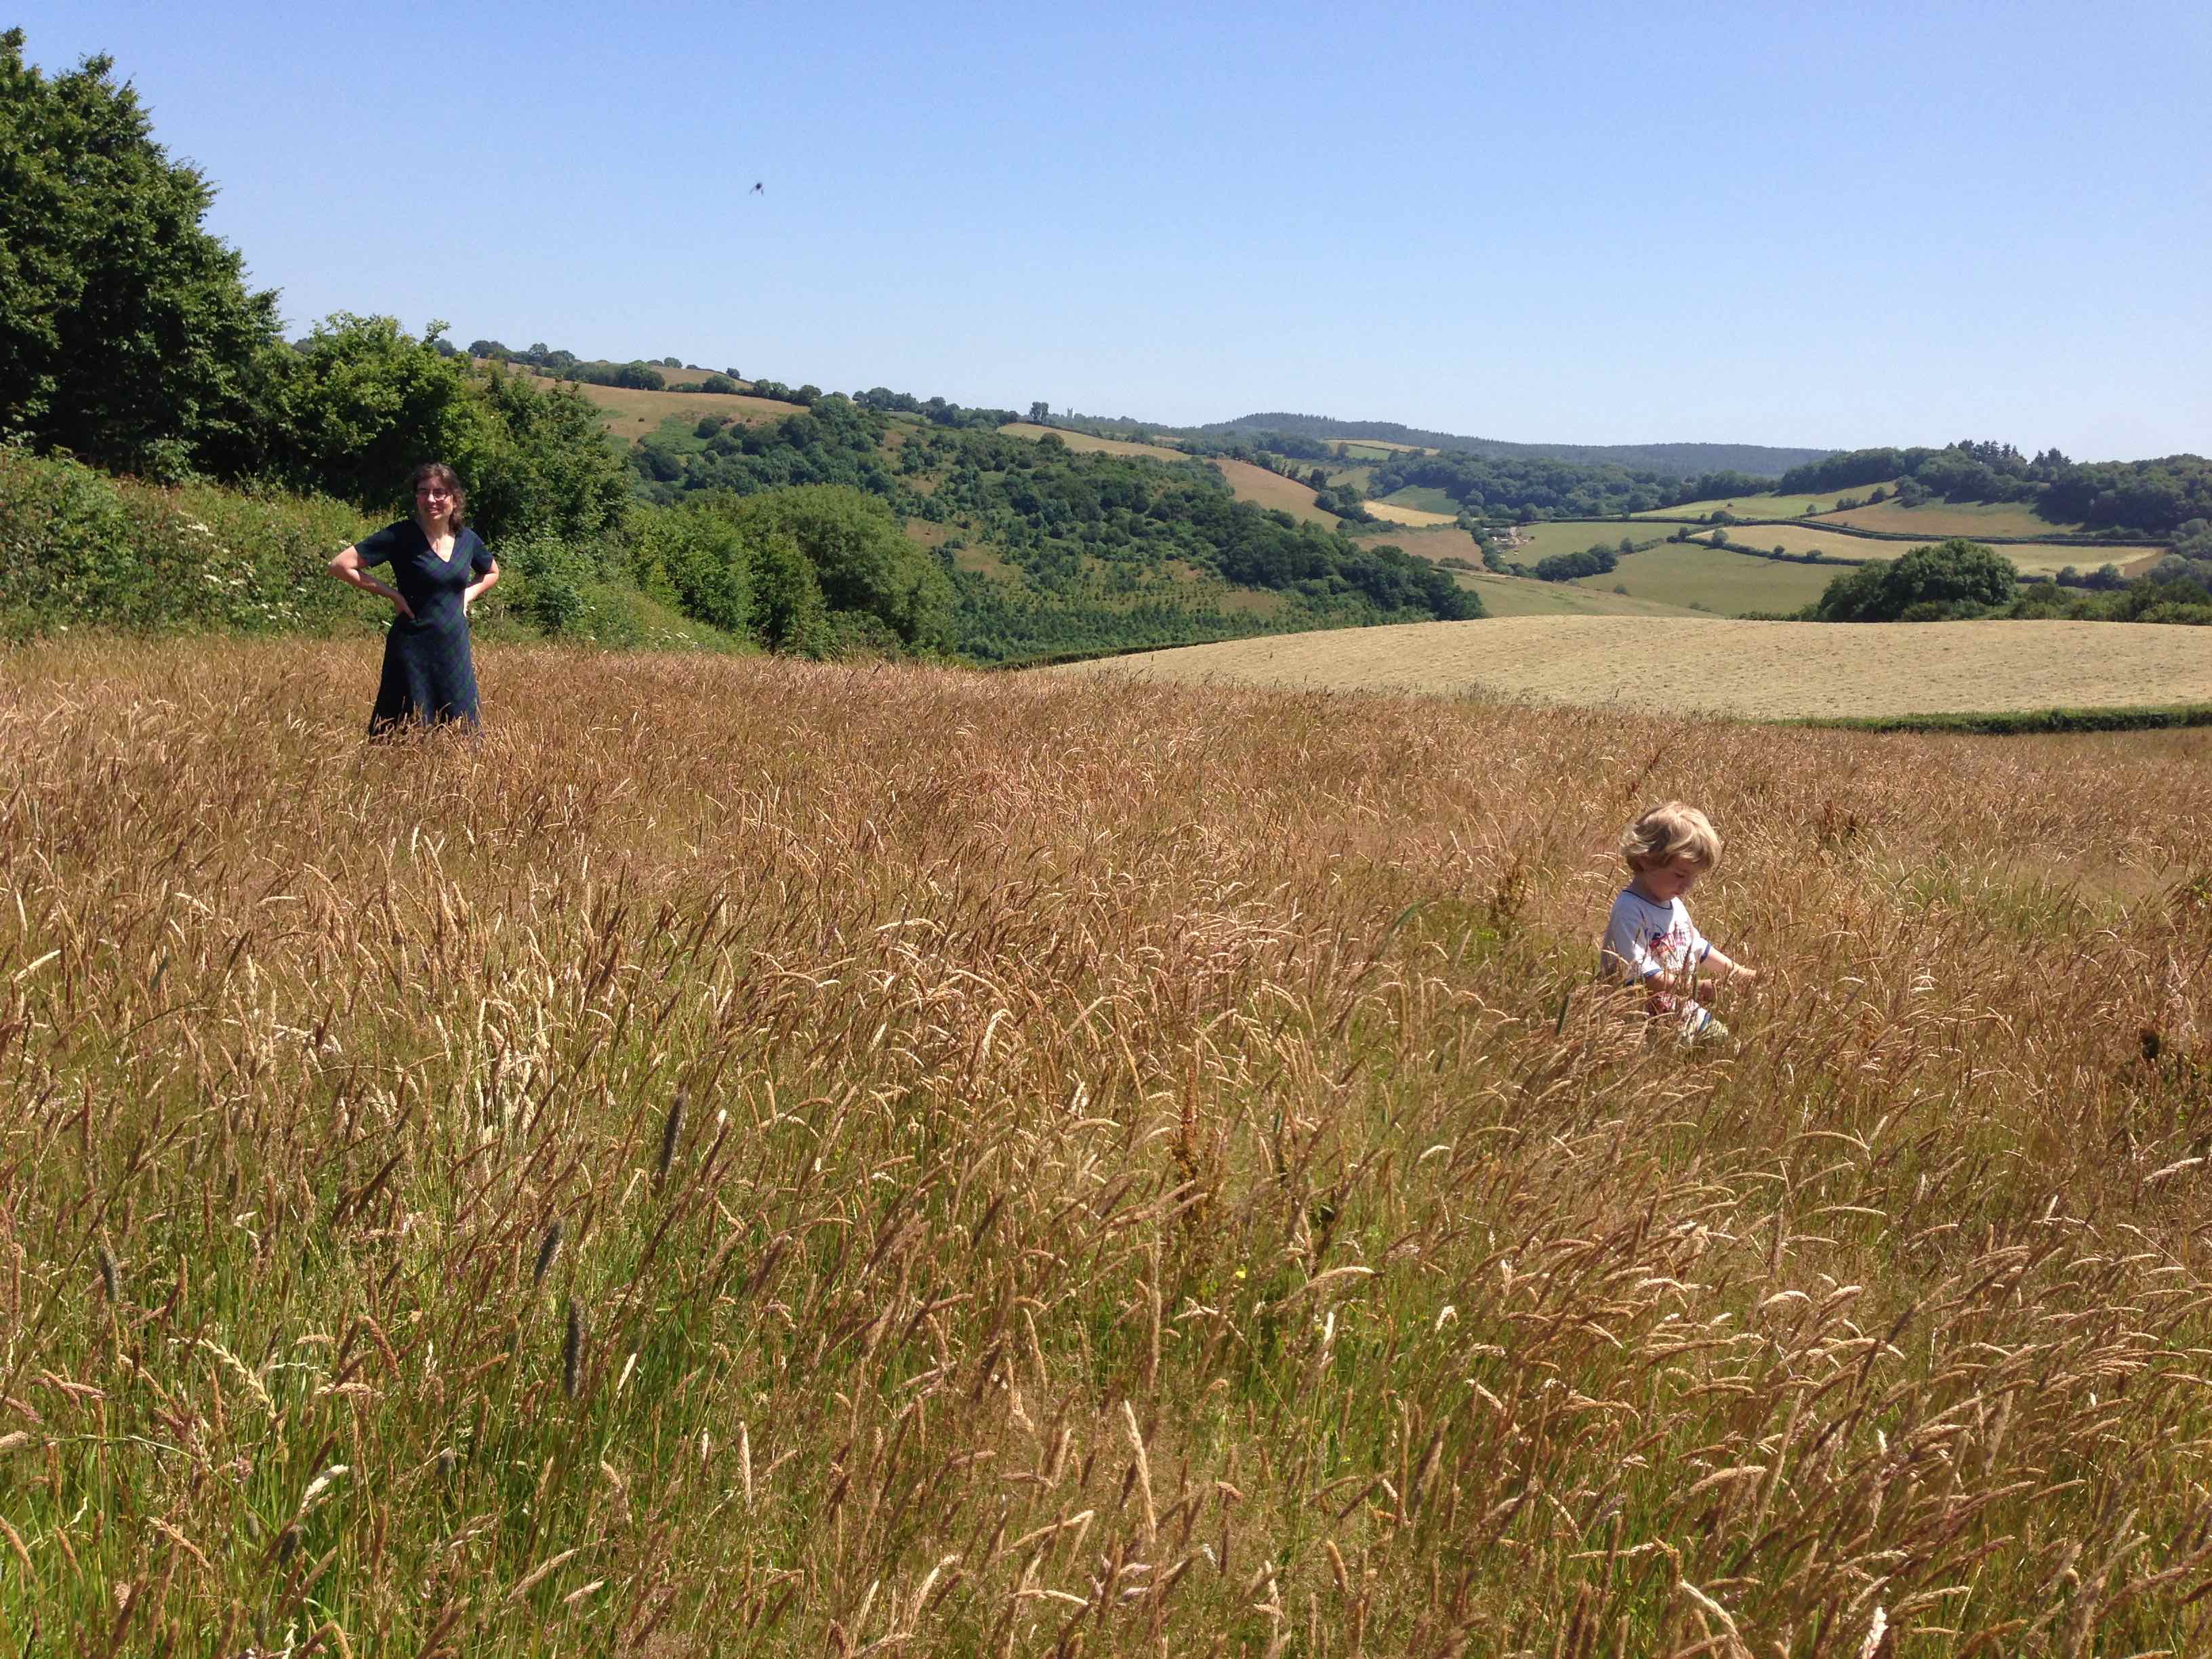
column 1649, row 939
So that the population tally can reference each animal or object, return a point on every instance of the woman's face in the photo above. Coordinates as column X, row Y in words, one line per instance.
column 433, row 501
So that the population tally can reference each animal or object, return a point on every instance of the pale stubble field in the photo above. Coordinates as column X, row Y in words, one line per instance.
column 1748, row 670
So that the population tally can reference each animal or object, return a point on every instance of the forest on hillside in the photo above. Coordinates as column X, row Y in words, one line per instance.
column 1091, row 542
column 132, row 343
column 133, row 353
column 2148, row 499
column 2153, row 498
column 1670, row 460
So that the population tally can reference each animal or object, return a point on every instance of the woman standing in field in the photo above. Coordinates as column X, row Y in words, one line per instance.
column 439, row 568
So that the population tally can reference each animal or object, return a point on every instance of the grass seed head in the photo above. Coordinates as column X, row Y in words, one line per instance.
column 671, row 1131
column 549, row 1247
column 572, row 1350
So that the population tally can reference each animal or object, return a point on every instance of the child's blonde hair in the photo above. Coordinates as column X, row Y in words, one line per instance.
column 1668, row 832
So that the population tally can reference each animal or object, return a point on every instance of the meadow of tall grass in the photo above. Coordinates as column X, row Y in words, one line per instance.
column 754, row 1156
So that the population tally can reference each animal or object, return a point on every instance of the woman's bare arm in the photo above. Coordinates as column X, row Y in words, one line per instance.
column 348, row 569
column 484, row 585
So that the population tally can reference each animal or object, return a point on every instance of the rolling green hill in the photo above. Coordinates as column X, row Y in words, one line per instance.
column 1676, row 459
column 1766, row 505
column 1715, row 579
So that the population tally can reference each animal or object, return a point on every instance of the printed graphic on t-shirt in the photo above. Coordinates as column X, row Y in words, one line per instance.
column 1643, row 940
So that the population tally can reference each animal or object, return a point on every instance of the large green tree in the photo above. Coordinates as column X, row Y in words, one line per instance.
column 127, row 331
column 860, row 561
column 1953, row 579
column 365, row 402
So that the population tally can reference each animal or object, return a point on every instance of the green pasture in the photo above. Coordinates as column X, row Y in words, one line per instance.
column 1767, row 506
column 1799, row 540
column 1524, row 596
column 1543, row 541
column 1426, row 497
column 1938, row 521
column 1516, row 596
column 1695, row 576
column 2030, row 559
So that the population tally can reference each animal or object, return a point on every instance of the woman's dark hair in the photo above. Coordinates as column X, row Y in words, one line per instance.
column 438, row 472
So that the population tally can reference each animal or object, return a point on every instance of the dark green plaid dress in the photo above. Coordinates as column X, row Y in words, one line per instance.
column 428, row 676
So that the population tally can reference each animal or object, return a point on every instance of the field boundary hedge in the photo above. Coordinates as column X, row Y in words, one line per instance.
column 1099, row 653
column 2015, row 722
column 1919, row 537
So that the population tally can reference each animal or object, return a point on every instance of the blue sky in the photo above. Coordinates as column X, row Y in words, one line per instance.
column 1594, row 224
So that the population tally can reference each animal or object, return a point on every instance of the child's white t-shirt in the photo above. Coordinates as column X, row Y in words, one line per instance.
column 1643, row 938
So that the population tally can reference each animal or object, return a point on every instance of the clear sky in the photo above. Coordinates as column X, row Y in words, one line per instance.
column 1612, row 223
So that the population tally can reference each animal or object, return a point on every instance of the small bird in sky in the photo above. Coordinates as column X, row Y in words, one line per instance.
column 760, row 189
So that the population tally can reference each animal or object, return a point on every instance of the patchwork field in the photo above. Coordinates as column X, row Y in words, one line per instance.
column 1715, row 578
column 1524, row 596
column 1516, row 596
column 1543, row 541
column 1938, row 521
column 1747, row 670
column 630, row 413
column 2029, row 560
column 1274, row 491
column 1415, row 516
column 1088, row 444
column 684, row 377
column 1769, row 505
column 751, row 1156
column 1437, row 542
column 1425, row 498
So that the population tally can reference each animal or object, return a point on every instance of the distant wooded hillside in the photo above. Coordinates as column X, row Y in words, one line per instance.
column 1678, row 460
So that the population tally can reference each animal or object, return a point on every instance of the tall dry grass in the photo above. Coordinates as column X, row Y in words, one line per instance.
column 753, row 1157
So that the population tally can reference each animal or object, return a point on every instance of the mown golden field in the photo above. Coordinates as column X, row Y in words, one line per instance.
column 1753, row 669
column 755, row 1157
column 1084, row 443
column 1273, row 491
column 1417, row 518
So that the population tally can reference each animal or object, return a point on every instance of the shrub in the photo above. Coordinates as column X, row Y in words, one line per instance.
column 544, row 579
column 698, row 560
column 1953, row 579
column 858, row 558
column 1595, row 561
column 79, row 548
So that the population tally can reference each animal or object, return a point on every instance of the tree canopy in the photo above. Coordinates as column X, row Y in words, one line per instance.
column 2154, row 497
column 365, row 402
column 1953, row 579
column 858, row 558
column 127, row 331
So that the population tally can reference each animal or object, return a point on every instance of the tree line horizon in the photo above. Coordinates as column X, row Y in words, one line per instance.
column 131, row 340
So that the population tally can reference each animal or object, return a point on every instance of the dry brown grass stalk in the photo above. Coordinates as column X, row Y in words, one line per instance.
column 1161, row 1191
